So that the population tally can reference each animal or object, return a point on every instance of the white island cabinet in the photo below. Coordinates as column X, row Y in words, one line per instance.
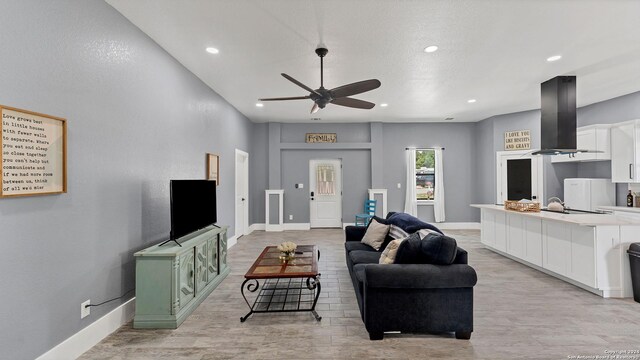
column 586, row 250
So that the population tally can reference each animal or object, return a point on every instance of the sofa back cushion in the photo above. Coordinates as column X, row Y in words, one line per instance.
column 435, row 249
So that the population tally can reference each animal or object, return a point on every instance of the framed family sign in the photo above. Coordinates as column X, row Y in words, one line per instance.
column 33, row 153
column 213, row 168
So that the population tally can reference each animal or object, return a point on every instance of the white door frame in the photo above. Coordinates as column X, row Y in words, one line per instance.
column 537, row 172
column 311, row 202
column 242, row 169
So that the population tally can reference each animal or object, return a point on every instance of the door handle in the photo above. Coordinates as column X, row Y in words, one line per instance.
column 630, row 171
column 242, row 199
column 312, row 195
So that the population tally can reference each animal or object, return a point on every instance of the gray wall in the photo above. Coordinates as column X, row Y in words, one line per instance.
column 136, row 118
column 460, row 145
column 373, row 156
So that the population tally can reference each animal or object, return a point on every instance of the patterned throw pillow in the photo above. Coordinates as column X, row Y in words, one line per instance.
column 424, row 232
column 375, row 234
column 396, row 232
column 388, row 255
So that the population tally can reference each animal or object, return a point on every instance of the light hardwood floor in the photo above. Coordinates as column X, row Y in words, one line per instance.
column 520, row 313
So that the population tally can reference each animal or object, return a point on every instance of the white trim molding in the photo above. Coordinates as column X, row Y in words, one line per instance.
column 78, row 343
column 280, row 225
column 256, row 227
column 383, row 192
column 458, row 225
column 297, row 226
column 232, row 241
column 344, row 225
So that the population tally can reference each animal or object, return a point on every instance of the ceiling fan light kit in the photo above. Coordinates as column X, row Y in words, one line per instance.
column 338, row 96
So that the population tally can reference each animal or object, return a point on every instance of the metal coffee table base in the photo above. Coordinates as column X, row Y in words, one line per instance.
column 283, row 295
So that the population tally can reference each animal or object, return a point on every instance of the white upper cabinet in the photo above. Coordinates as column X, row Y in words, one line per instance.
column 624, row 152
column 593, row 137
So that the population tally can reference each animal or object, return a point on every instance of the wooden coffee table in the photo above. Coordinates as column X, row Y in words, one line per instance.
column 288, row 286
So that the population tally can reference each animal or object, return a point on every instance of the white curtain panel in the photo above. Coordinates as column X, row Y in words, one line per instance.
column 325, row 180
column 410, row 201
column 438, row 208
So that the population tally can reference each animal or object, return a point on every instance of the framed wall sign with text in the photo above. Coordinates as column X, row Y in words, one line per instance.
column 34, row 153
column 213, row 168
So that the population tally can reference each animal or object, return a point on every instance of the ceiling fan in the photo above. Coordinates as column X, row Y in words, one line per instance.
column 338, row 96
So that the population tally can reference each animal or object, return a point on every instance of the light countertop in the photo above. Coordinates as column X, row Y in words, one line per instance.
column 578, row 219
column 620, row 208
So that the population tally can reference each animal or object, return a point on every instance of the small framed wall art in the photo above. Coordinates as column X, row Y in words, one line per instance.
column 213, row 168
column 33, row 153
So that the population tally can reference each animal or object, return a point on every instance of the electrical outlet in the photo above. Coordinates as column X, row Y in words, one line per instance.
column 84, row 309
column 290, row 217
column 399, row 186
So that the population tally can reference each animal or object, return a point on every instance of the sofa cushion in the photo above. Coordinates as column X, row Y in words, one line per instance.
column 439, row 249
column 409, row 223
column 409, row 251
column 357, row 245
column 364, row 257
column 388, row 255
column 359, row 271
column 433, row 249
column 375, row 235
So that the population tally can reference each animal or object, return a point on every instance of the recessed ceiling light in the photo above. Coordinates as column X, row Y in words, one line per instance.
column 384, row 105
column 212, row 50
column 554, row 58
column 471, row 101
column 259, row 104
column 430, row 49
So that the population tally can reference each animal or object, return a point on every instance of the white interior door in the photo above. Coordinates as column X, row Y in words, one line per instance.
column 325, row 190
column 507, row 163
column 242, row 193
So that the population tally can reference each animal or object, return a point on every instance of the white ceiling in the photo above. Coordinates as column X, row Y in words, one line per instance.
column 491, row 50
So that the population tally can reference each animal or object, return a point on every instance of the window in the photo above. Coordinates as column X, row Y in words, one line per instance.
column 425, row 175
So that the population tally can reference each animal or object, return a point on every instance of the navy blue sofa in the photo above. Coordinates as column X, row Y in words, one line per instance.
column 412, row 298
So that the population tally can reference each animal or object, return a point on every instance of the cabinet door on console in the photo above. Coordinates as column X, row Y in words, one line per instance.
column 202, row 273
column 186, row 283
column 488, row 223
column 222, row 241
column 501, row 231
column 212, row 258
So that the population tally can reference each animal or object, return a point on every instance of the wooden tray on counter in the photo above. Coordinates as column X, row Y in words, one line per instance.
column 521, row 206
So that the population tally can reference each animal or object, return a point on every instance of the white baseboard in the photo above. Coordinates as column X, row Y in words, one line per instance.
column 458, row 225
column 78, row 343
column 344, row 225
column 232, row 241
column 256, row 227
column 297, row 226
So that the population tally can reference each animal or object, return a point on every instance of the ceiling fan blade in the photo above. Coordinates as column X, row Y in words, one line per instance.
column 354, row 88
column 315, row 108
column 354, row 103
column 286, row 98
column 300, row 84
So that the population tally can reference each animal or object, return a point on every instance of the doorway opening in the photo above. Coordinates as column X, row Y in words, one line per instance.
column 242, row 194
column 519, row 176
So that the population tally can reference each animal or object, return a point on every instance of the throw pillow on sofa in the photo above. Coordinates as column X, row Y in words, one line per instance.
column 439, row 249
column 396, row 232
column 388, row 255
column 375, row 235
column 409, row 251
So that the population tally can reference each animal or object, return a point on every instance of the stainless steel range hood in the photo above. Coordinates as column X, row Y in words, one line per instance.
column 558, row 117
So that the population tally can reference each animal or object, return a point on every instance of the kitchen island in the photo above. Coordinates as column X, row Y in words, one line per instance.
column 587, row 250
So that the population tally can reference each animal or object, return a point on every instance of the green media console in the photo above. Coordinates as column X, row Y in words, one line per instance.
column 171, row 281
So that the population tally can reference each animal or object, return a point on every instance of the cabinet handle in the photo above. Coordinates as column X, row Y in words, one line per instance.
column 630, row 171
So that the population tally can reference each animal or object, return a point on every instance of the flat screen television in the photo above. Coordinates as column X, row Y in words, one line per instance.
column 193, row 206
